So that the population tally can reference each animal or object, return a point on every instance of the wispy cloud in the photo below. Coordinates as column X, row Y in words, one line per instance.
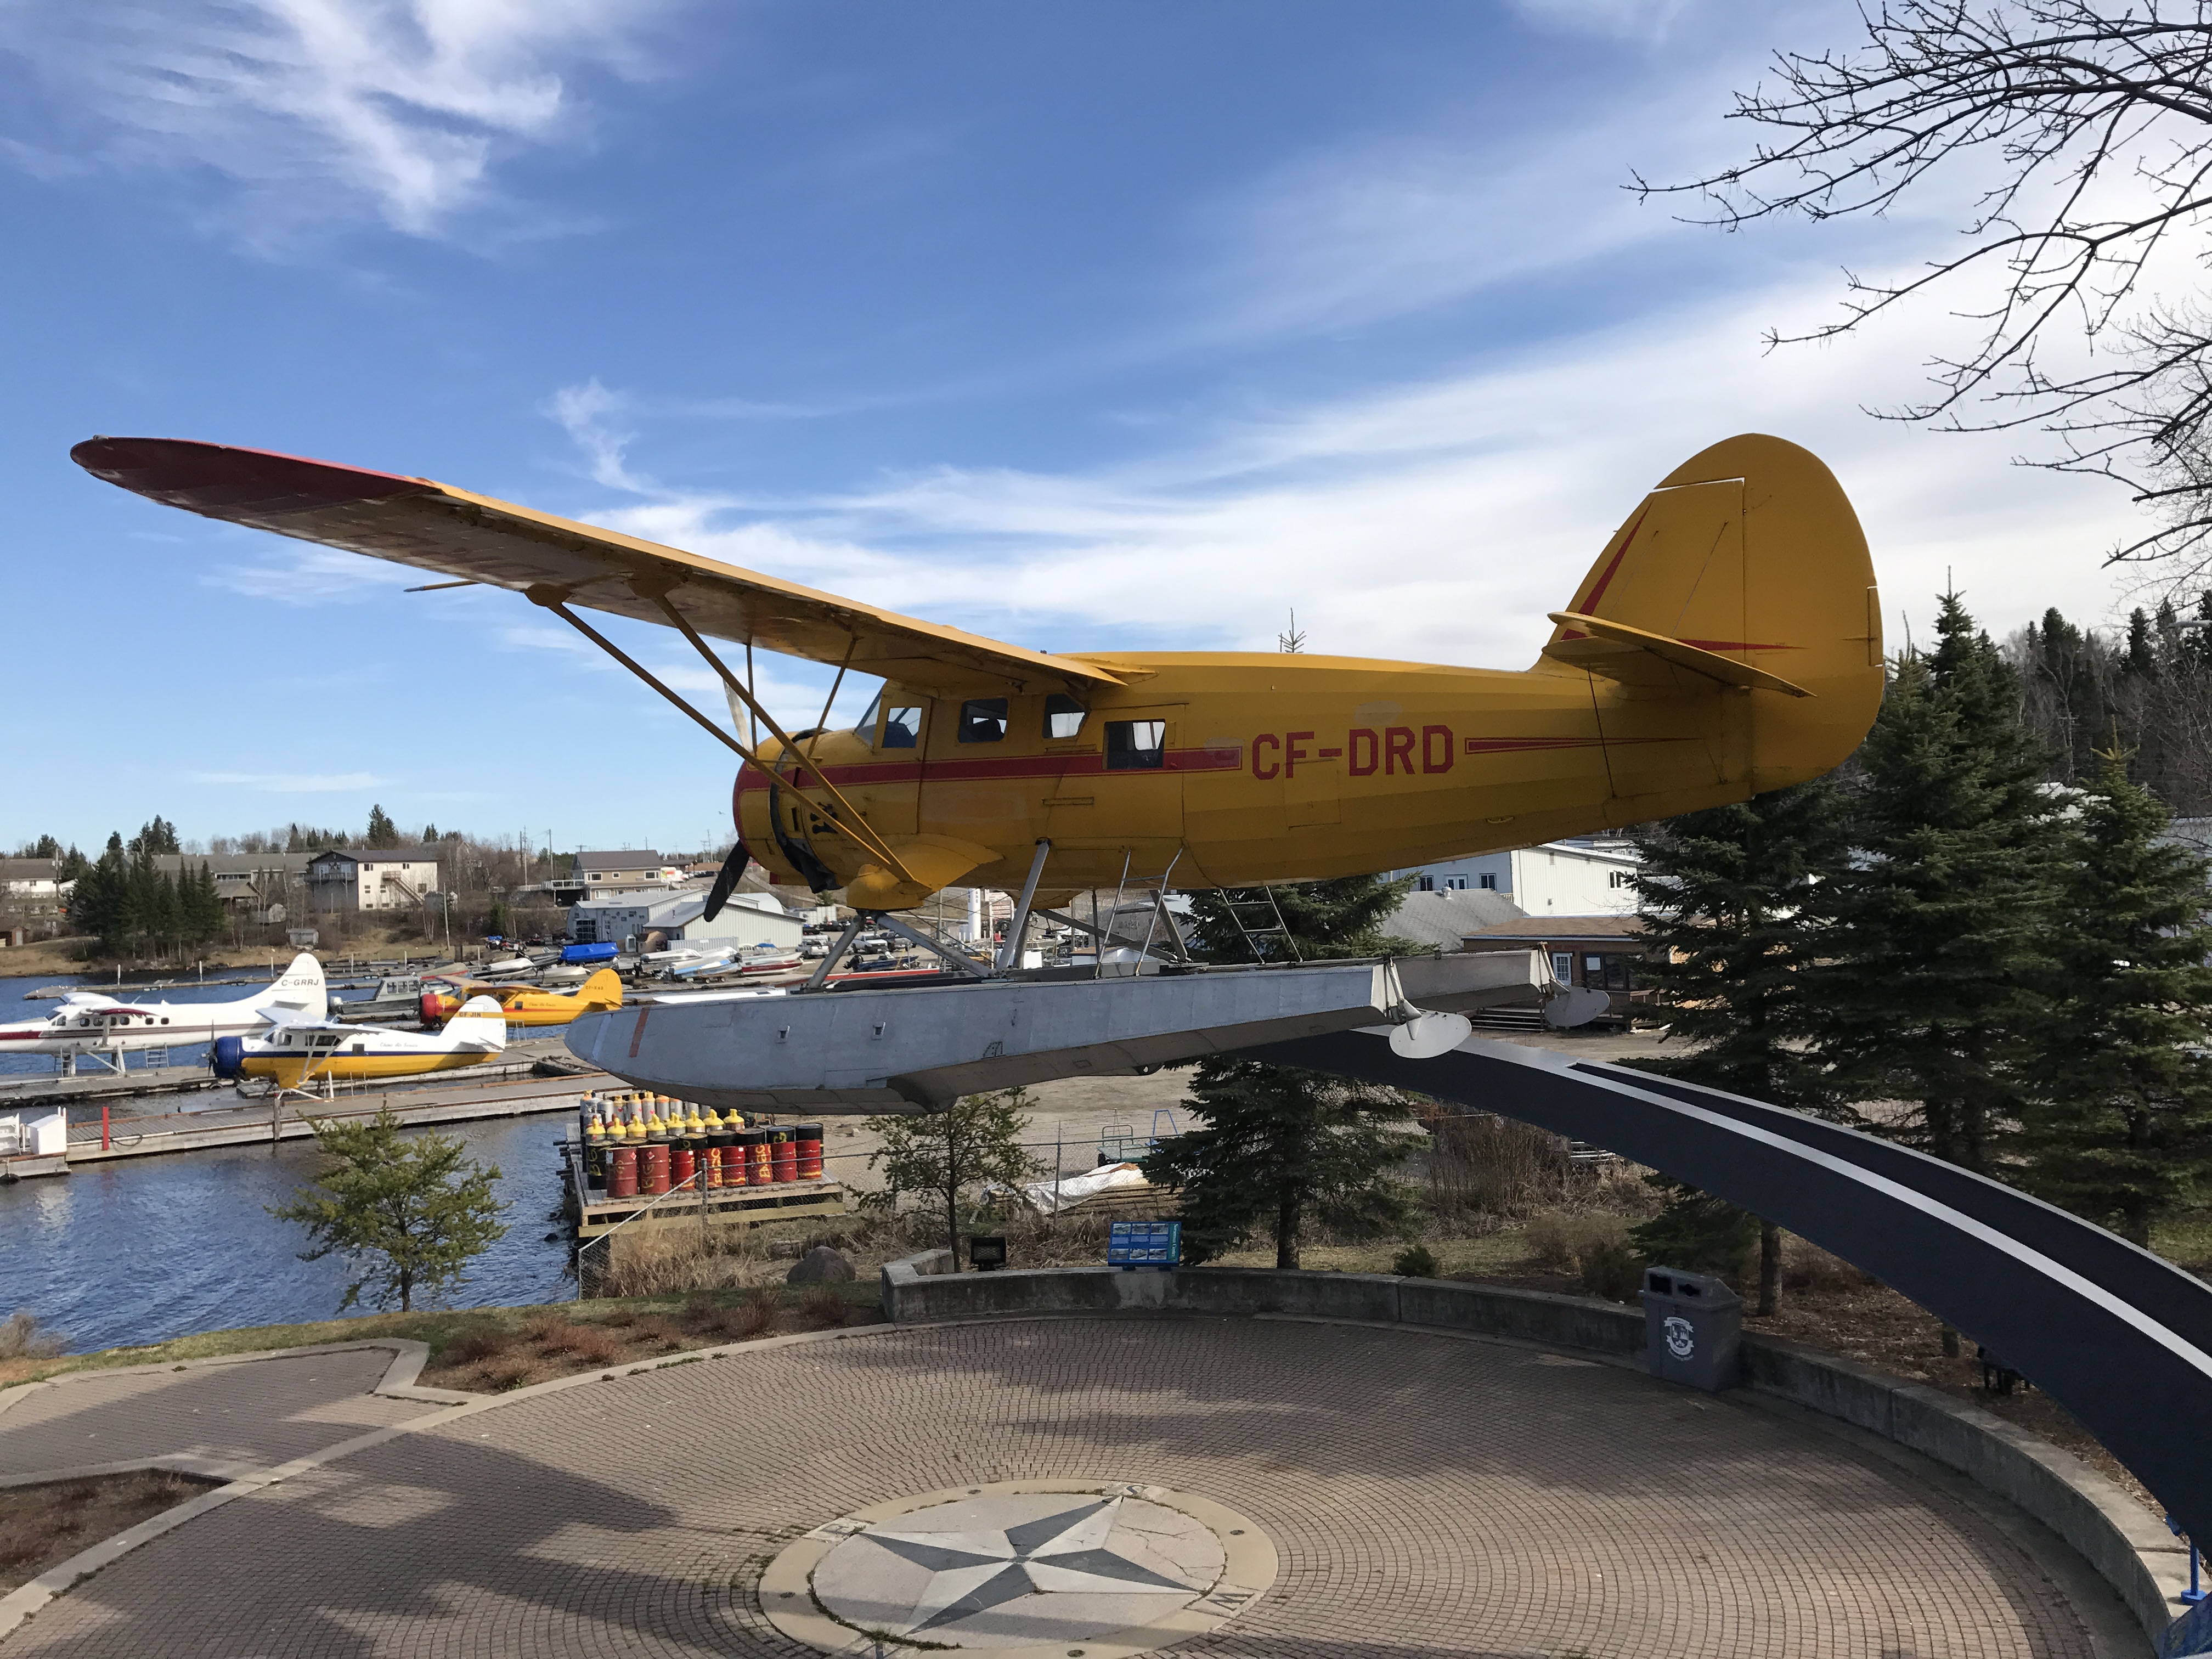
column 1437, row 520
column 298, row 574
column 313, row 111
column 291, row 783
column 1619, row 20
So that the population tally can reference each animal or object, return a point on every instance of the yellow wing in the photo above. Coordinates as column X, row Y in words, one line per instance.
column 434, row 527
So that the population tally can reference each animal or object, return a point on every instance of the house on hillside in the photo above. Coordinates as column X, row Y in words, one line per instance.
column 631, row 869
column 32, row 897
column 372, row 878
column 263, row 884
column 1584, row 876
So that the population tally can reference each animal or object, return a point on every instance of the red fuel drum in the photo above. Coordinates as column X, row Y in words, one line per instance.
column 622, row 1172
column 783, row 1146
column 682, row 1164
column 736, row 1162
column 652, row 1166
column 762, row 1156
column 810, row 1151
column 710, row 1160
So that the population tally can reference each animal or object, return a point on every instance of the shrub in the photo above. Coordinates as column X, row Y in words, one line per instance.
column 593, row 1348
column 755, row 1315
column 1611, row 1269
column 478, row 1343
column 1593, row 1245
column 1482, row 1167
column 657, row 1331
column 823, row 1309
column 554, row 1332
column 21, row 1339
column 1416, row 1261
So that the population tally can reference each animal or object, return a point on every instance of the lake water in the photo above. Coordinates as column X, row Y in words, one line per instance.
column 142, row 1249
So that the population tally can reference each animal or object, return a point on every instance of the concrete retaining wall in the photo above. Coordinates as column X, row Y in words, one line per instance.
column 2114, row 1534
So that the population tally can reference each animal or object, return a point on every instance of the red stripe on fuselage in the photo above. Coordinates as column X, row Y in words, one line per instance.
column 994, row 769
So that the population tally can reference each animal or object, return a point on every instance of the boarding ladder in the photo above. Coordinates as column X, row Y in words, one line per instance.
column 1260, row 920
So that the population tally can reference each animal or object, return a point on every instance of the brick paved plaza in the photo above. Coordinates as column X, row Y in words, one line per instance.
column 1424, row 1495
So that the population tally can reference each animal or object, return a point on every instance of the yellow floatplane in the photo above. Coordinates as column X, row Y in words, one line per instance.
column 301, row 1052
column 527, row 1005
column 1725, row 640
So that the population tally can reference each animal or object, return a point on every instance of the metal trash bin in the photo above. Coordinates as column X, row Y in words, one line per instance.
column 1693, row 1328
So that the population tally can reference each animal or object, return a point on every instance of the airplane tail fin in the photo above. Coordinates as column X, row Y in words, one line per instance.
column 481, row 1023
column 1746, row 572
column 604, row 989
column 302, row 985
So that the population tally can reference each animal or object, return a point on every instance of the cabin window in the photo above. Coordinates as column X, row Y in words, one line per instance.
column 864, row 727
column 983, row 719
column 1133, row 745
column 902, row 728
column 165, row 1019
column 1063, row 716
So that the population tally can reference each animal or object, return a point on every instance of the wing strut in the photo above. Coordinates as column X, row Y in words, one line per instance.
column 858, row 826
column 841, row 812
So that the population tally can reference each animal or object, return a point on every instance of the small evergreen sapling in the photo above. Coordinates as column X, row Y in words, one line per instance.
column 1727, row 902
column 407, row 1211
column 2118, row 1127
column 977, row 1140
column 1277, row 1149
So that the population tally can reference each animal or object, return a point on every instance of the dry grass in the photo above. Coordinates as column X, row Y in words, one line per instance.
column 41, row 1526
column 493, row 1354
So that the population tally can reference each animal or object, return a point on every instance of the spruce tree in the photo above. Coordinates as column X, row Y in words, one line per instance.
column 1277, row 1149
column 100, row 903
column 382, row 832
column 1928, row 993
column 1728, row 904
column 2118, row 1127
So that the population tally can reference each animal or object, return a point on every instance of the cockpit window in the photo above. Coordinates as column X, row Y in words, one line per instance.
column 864, row 727
column 983, row 719
column 902, row 728
column 1063, row 716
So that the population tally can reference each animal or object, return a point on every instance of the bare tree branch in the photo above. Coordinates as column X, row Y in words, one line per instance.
column 2091, row 120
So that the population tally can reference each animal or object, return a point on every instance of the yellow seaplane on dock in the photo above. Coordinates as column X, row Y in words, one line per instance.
column 527, row 1005
column 299, row 1053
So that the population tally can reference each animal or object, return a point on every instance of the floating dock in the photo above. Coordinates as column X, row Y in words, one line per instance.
column 261, row 1122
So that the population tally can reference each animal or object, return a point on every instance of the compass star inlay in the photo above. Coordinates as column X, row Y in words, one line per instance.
column 1013, row 1568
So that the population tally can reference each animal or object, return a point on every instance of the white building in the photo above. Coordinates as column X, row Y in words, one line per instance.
column 629, row 920
column 372, row 878
column 1583, row 878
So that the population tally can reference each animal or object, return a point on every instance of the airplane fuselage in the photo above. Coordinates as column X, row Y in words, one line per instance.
column 1245, row 769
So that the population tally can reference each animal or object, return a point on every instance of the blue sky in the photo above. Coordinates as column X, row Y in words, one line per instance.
column 1086, row 326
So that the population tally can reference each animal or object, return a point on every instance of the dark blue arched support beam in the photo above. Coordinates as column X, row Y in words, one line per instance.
column 2119, row 1337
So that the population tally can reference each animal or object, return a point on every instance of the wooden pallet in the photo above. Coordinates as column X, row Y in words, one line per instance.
column 594, row 1213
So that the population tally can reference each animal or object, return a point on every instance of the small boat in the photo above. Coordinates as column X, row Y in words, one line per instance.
column 682, row 961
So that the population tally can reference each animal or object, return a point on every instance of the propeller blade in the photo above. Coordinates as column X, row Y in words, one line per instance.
column 725, row 880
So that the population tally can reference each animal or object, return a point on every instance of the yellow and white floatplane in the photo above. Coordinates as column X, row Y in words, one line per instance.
column 298, row 1052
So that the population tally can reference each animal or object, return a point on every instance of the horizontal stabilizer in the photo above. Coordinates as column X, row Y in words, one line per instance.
column 1615, row 651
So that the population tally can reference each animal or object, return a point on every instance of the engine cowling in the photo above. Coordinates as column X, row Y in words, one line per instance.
column 228, row 1056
